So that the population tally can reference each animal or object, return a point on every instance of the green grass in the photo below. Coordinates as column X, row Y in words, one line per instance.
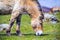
column 51, row 31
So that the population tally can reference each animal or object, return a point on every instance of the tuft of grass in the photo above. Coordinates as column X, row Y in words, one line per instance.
column 51, row 31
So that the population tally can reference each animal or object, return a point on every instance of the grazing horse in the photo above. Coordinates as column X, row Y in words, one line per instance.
column 32, row 7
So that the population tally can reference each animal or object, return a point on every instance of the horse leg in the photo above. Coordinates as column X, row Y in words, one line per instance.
column 18, row 21
column 15, row 13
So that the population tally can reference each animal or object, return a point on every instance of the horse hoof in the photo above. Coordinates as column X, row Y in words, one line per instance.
column 8, row 34
column 19, row 34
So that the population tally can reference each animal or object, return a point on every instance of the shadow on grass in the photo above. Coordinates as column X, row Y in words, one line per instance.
column 30, row 34
column 4, row 36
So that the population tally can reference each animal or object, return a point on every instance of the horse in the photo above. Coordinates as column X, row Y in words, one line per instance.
column 17, row 7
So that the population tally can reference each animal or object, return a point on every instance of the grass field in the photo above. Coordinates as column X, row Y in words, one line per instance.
column 51, row 31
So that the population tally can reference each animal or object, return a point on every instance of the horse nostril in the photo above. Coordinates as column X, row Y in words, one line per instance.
column 38, row 34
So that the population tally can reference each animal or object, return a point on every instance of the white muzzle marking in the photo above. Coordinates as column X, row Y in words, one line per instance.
column 39, row 32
